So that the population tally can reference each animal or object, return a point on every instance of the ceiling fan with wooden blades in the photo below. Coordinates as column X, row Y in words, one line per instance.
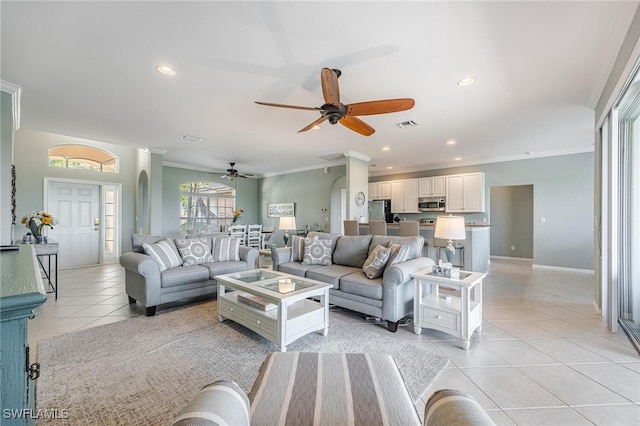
column 337, row 112
column 232, row 173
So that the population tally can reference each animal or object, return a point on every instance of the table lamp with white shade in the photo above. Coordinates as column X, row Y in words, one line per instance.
column 449, row 228
column 286, row 223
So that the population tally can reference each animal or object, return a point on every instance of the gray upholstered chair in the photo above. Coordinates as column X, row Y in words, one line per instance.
column 377, row 227
column 409, row 228
column 351, row 227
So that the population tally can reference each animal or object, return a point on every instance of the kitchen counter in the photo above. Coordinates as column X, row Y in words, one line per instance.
column 473, row 257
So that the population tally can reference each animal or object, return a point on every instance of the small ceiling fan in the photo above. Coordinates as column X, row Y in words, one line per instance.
column 232, row 173
column 337, row 112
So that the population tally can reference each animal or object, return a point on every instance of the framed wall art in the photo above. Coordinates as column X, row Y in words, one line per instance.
column 281, row 209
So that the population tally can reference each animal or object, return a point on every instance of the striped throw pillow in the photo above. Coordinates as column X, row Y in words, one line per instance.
column 220, row 403
column 225, row 249
column 399, row 253
column 165, row 253
column 297, row 248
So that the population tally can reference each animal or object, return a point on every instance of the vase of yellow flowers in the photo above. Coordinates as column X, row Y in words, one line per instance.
column 236, row 215
column 36, row 220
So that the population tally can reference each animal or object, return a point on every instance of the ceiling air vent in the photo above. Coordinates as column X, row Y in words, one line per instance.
column 409, row 123
column 191, row 138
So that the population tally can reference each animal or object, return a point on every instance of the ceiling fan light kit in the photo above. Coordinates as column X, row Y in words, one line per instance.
column 335, row 111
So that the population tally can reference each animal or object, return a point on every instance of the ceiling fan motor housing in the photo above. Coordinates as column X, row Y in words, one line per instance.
column 333, row 113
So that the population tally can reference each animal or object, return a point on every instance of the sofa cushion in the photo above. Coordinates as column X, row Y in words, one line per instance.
column 415, row 244
column 165, row 253
column 399, row 253
column 184, row 275
column 297, row 268
column 139, row 240
column 194, row 251
column 331, row 274
column 297, row 248
column 219, row 403
column 225, row 249
column 352, row 250
column 374, row 265
column 358, row 284
column 317, row 251
column 220, row 268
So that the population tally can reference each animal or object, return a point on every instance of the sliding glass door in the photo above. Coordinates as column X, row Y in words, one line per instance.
column 629, row 212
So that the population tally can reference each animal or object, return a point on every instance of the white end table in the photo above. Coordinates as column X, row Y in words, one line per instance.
column 458, row 313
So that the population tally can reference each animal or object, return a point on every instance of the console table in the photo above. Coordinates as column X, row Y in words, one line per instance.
column 21, row 291
column 48, row 250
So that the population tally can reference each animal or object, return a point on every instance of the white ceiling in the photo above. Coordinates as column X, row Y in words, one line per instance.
column 87, row 69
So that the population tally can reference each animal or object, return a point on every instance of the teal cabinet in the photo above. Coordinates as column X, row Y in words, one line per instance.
column 21, row 291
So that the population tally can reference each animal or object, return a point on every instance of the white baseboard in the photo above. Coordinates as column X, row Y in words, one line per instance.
column 597, row 308
column 562, row 268
column 517, row 259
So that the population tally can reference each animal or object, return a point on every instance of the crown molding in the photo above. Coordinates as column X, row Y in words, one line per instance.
column 155, row 151
column 16, row 93
column 357, row 155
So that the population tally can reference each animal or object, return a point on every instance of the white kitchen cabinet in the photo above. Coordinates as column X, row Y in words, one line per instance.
column 380, row 190
column 433, row 186
column 404, row 196
column 465, row 193
column 373, row 190
column 384, row 190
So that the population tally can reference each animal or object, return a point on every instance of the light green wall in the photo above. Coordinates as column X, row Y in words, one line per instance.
column 562, row 194
column 310, row 190
column 32, row 166
column 172, row 177
column 5, row 168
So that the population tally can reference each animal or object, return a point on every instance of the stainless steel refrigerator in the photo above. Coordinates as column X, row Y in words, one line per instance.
column 380, row 210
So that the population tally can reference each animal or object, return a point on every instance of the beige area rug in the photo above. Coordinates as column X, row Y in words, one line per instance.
column 142, row 371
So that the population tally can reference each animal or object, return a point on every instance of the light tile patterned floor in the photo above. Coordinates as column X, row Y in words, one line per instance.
column 544, row 356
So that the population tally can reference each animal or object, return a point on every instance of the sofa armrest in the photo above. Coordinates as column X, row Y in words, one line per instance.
column 222, row 402
column 279, row 256
column 400, row 273
column 249, row 255
column 452, row 407
column 141, row 264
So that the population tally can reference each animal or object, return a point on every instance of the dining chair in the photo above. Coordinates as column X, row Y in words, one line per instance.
column 409, row 228
column 351, row 227
column 254, row 236
column 239, row 232
column 377, row 227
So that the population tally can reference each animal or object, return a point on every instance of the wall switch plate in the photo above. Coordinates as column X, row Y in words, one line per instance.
column 543, row 220
column 513, row 248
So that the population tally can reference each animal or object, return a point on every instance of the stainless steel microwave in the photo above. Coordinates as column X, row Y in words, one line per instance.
column 431, row 204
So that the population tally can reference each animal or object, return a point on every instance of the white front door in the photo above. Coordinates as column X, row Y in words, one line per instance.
column 76, row 208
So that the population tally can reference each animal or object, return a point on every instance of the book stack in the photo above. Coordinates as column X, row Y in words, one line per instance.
column 256, row 302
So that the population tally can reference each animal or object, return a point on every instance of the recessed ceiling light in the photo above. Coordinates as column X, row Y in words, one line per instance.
column 389, row 167
column 316, row 127
column 385, row 148
column 191, row 138
column 451, row 142
column 165, row 69
column 529, row 152
column 467, row 81
column 458, row 158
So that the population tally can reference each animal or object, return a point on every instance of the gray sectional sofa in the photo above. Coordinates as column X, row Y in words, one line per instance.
column 146, row 283
column 389, row 297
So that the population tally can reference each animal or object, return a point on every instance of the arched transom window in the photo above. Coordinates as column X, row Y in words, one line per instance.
column 83, row 157
column 205, row 206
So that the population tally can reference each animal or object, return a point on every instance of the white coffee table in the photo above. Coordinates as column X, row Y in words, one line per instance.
column 457, row 314
column 294, row 314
